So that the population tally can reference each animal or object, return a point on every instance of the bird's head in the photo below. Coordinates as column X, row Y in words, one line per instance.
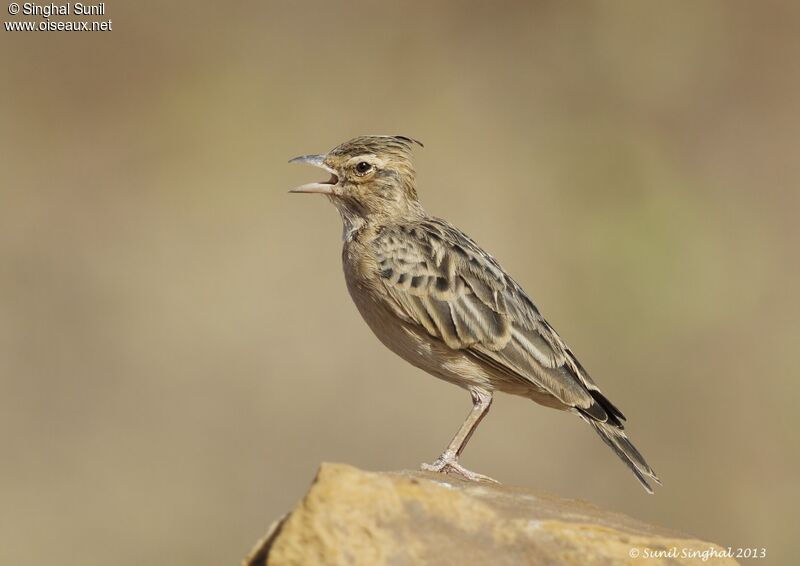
column 370, row 177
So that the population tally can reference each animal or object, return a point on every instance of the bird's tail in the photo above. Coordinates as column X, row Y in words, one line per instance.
column 626, row 451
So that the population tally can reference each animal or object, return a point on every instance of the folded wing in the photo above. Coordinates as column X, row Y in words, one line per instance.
column 441, row 280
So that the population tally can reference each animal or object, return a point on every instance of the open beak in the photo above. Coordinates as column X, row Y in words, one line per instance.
column 324, row 187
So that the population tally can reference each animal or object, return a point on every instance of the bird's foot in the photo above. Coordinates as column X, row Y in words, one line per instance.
column 446, row 464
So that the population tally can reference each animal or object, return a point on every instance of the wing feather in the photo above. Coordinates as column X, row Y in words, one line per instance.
column 443, row 281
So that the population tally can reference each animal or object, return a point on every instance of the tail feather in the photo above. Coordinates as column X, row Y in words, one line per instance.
column 627, row 452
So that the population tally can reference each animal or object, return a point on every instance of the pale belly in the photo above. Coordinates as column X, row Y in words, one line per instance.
column 413, row 343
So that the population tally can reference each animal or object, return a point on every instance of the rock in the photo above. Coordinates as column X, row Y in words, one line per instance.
column 353, row 517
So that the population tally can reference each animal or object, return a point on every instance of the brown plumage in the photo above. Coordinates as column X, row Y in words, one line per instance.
column 436, row 299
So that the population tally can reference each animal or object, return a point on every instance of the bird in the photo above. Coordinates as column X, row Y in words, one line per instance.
column 435, row 298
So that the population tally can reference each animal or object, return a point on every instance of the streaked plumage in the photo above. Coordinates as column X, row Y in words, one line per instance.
column 436, row 299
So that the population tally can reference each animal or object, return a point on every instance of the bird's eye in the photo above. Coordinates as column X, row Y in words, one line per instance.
column 363, row 168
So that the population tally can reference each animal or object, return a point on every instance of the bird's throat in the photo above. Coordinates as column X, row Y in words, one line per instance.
column 352, row 222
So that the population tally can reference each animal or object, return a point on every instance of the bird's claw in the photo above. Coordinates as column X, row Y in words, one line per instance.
column 451, row 466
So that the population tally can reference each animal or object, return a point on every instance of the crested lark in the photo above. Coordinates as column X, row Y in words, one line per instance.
column 440, row 302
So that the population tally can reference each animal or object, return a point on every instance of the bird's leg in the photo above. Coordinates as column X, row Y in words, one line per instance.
column 448, row 461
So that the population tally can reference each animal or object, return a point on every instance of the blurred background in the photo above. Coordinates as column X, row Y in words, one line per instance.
column 178, row 351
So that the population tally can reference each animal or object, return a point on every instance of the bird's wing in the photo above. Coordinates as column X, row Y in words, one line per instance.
column 440, row 279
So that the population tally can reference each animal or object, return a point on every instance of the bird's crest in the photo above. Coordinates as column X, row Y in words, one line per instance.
column 378, row 145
